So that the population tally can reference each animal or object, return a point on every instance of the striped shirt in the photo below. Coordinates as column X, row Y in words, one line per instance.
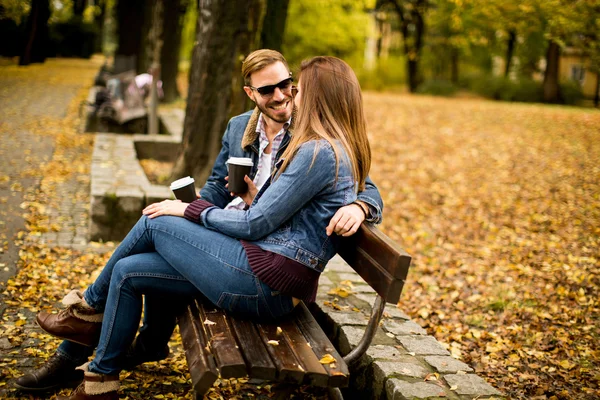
column 264, row 166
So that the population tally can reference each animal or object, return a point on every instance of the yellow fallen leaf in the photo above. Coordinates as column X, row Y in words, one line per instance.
column 209, row 322
column 327, row 359
column 273, row 342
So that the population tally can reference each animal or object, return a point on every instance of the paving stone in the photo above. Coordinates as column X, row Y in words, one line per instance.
column 385, row 352
column 325, row 281
column 397, row 389
column 352, row 277
column 390, row 368
column 338, row 265
column 403, row 327
column 395, row 312
column 366, row 297
column 352, row 336
column 5, row 344
column 426, row 345
column 471, row 384
column 349, row 318
column 363, row 289
column 446, row 364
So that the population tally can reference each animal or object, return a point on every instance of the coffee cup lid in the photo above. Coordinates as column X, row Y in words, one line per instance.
column 179, row 183
column 240, row 161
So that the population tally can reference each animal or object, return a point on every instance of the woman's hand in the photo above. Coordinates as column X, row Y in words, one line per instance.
column 165, row 207
column 346, row 220
column 249, row 196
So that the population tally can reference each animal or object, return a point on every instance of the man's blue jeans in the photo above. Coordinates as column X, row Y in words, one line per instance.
column 172, row 260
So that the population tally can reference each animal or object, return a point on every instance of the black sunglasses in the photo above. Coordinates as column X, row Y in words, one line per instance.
column 267, row 91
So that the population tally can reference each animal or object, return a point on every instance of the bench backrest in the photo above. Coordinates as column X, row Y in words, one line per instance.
column 381, row 262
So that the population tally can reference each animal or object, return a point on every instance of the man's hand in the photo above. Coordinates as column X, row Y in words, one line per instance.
column 346, row 220
column 249, row 196
column 165, row 207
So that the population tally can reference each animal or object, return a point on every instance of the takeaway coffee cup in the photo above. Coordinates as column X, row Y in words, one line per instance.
column 184, row 190
column 238, row 167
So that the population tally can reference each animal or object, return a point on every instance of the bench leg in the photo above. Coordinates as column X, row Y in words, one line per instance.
column 335, row 394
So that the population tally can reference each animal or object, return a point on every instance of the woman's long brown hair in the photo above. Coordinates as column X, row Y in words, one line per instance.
column 331, row 109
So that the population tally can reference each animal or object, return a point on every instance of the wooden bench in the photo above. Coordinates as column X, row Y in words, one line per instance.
column 291, row 349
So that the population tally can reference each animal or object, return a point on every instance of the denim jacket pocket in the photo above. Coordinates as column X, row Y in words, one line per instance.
column 239, row 303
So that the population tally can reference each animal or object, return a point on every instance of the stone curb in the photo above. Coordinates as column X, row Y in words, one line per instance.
column 403, row 362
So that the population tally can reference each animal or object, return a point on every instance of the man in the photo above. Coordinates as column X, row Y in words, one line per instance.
column 262, row 135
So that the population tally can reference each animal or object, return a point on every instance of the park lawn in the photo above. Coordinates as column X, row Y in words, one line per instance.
column 499, row 205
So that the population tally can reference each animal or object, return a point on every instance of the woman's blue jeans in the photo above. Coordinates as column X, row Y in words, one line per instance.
column 170, row 260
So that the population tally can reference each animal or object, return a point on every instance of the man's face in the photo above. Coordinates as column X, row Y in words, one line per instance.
column 278, row 105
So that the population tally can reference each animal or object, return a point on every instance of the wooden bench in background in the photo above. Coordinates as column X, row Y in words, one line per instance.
column 232, row 347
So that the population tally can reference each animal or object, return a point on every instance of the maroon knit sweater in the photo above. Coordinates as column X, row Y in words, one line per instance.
column 279, row 272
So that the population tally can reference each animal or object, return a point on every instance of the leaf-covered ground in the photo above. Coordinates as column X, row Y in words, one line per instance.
column 28, row 101
column 499, row 204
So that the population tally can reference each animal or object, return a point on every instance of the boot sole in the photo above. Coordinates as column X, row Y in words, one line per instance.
column 69, row 384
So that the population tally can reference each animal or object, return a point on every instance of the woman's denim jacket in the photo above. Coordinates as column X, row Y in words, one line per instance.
column 240, row 140
column 290, row 213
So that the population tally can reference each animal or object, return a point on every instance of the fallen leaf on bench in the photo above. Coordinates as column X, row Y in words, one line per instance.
column 273, row 342
column 333, row 366
column 279, row 330
column 209, row 322
column 327, row 359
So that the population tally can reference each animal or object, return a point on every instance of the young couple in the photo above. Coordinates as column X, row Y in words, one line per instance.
column 256, row 254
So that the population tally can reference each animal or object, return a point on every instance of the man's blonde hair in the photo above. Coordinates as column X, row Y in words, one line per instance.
column 258, row 60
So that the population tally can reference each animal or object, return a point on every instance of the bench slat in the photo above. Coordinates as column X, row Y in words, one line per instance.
column 315, row 373
column 378, row 260
column 222, row 342
column 257, row 358
column 320, row 344
column 203, row 370
column 288, row 366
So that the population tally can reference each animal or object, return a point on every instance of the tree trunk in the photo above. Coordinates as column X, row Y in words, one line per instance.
column 79, row 7
column 551, row 88
column 129, row 34
column 413, row 29
column 597, row 95
column 169, row 59
column 99, row 22
column 213, row 59
column 271, row 36
column 454, row 65
column 36, row 33
column 247, row 43
column 143, row 56
column 510, row 49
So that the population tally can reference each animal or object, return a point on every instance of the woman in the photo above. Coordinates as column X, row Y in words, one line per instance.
column 258, row 262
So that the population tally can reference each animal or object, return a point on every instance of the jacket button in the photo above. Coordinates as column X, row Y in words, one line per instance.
column 313, row 262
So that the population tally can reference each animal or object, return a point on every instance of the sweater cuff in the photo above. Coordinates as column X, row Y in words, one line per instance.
column 195, row 208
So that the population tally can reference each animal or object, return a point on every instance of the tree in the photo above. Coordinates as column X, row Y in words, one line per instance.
column 219, row 25
column 36, row 33
column 246, row 44
column 411, row 15
column 271, row 35
column 174, row 11
column 130, row 21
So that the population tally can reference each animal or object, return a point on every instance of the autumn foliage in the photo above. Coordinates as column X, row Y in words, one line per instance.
column 499, row 204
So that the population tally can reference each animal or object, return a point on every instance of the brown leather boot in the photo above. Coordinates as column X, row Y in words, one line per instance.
column 95, row 387
column 78, row 323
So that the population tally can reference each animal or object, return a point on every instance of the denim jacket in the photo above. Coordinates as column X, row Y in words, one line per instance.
column 241, row 140
column 291, row 211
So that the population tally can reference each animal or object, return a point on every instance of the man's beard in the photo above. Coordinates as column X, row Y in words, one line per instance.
column 270, row 113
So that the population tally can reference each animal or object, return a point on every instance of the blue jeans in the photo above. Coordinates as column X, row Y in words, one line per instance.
column 173, row 260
